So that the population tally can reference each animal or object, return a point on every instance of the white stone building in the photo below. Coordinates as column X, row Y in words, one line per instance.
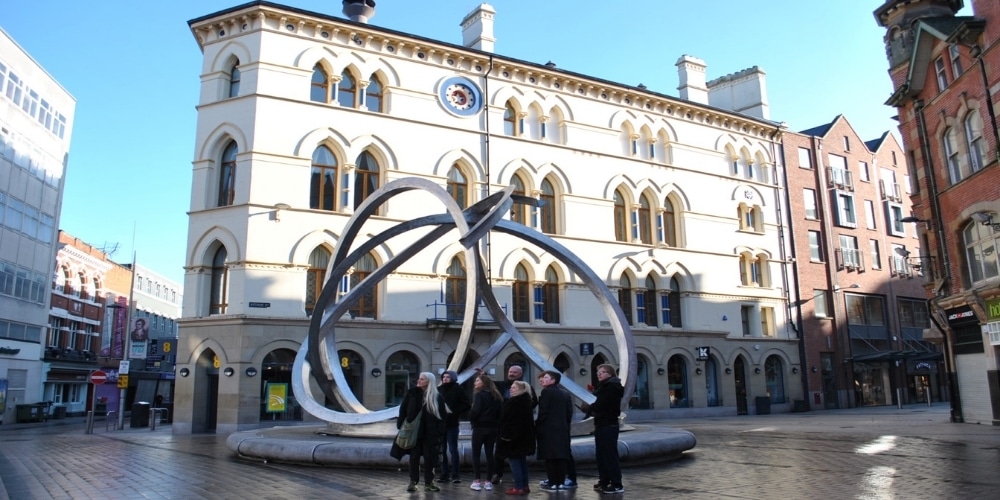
column 36, row 120
column 673, row 201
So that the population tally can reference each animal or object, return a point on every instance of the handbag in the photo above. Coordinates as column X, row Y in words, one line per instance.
column 406, row 438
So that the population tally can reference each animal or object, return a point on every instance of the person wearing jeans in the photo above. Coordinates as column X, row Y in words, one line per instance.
column 605, row 410
column 517, row 435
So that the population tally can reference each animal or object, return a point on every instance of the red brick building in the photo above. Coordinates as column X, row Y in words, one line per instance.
column 861, row 312
column 945, row 70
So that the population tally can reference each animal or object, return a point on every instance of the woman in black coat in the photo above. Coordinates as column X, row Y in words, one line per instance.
column 517, row 435
column 422, row 398
column 484, row 417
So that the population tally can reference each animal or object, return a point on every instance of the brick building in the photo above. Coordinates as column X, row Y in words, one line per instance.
column 945, row 70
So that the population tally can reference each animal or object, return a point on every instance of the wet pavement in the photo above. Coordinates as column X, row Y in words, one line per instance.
column 868, row 453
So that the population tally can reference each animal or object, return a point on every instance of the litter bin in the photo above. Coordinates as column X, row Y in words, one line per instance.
column 59, row 411
column 763, row 405
column 140, row 414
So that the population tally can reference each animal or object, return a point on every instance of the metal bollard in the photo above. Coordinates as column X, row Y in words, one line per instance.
column 899, row 398
column 90, row 423
column 928, row 391
column 108, row 420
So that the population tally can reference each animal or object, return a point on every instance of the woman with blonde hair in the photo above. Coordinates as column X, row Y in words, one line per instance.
column 422, row 401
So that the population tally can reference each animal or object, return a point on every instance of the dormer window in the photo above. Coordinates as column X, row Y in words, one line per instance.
column 939, row 71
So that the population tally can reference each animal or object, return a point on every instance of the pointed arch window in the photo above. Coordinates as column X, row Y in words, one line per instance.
column 677, row 382
column 509, row 120
column 219, row 288
column 454, row 290
column 621, row 217
column 669, row 223
column 323, row 180
column 549, row 307
column 519, row 211
column 319, row 260
column 646, row 303
column 367, row 304
column 373, row 94
column 625, row 297
column 671, row 304
column 548, row 208
column 952, row 155
column 366, row 178
column 234, row 79
column 974, row 134
column 645, row 220
column 519, row 294
column 347, row 91
column 319, row 89
column 458, row 186
column 774, row 376
column 227, row 175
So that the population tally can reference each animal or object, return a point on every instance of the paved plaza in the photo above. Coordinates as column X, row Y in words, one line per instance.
column 869, row 453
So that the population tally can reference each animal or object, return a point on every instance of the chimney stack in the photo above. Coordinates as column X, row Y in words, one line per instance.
column 477, row 28
column 359, row 10
column 691, row 76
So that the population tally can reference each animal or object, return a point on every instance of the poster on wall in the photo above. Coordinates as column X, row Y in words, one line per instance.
column 3, row 397
column 277, row 397
column 140, row 330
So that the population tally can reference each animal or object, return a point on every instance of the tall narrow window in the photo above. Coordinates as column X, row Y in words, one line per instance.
column 645, row 221
column 940, row 74
column 519, row 211
column 234, row 80
column 815, row 247
column 625, row 297
column 669, row 223
column 367, row 304
column 454, row 296
column 346, row 90
column 674, row 304
column 548, row 208
column 551, row 293
column 951, row 153
column 227, row 175
column 956, row 61
column 319, row 90
column 458, row 186
column 219, row 291
column 974, row 134
column 373, row 95
column 519, row 295
column 649, row 301
column 323, row 180
column 366, row 178
column 621, row 217
column 509, row 120
column 809, row 200
column 981, row 246
column 319, row 259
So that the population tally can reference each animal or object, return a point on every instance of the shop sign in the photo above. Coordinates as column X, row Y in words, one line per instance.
column 961, row 316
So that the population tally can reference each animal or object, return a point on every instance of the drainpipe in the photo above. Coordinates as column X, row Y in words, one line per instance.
column 977, row 53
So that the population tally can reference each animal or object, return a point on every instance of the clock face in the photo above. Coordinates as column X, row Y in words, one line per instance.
column 460, row 96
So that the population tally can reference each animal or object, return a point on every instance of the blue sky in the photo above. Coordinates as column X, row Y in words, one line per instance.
column 133, row 67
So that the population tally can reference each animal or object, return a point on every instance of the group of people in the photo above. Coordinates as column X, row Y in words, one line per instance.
column 506, row 428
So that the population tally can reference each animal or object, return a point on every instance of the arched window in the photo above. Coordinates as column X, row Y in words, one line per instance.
column 81, row 291
column 677, row 382
column 227, row 175
column 519, row 295
column 367, row 304
column 550, row 296
column 458, row 186
column 645, row 220
column 401, row 372
column 366, row 177
column 625, row 297
column 234, row 79
column 976, row 144
column 548, row 208
column 621, row 217
column 353, row 366
column 980, row 251
column 951, row 153
column 510, row 120
column 774, row 374
column 319, row 90
column 373, row 94
column 219, row 290
column 750, row 218
column 669, row 223
column 646, row 303
column 759, row 270
column 746, row 269
column 346, row 90
column 319, row 260
column 323, row 180
column 519, row 211
column 672, row 305
column 454, row 290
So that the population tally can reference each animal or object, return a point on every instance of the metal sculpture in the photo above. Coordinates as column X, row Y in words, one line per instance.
column 317, row 358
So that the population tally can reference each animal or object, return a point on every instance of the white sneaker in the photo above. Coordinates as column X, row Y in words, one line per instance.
column 476, row 485
column 488, row 486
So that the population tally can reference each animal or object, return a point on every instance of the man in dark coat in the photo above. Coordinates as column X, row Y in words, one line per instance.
column 458, row 403
column 555, row 411
column 606, row 410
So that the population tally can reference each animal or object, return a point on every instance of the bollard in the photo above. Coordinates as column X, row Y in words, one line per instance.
column 928, row 391
column 899, row 398
column 90, row 423
column 108, row 420
column 152, row 420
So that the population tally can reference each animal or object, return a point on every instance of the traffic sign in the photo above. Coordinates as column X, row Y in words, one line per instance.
column 97, row 377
